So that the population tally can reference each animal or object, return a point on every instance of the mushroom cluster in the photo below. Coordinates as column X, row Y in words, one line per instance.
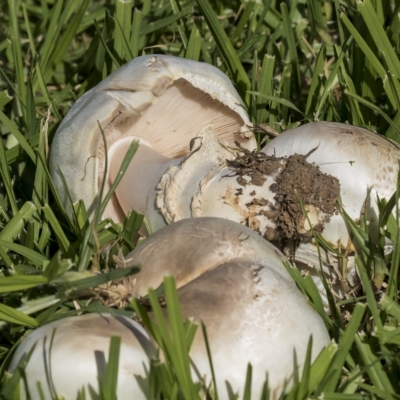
column 215, row 204
column 235, row 283
column 197, row 158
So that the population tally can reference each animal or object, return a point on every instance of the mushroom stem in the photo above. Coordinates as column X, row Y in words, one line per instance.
column 137, row 189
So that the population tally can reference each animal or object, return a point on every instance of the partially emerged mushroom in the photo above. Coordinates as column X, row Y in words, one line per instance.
column 163, row 102
column 70, row 355
column 235, row 282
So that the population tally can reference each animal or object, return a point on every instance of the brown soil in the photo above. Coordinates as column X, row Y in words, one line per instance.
column 254, row 165
column 296, row 178
column 313, row 187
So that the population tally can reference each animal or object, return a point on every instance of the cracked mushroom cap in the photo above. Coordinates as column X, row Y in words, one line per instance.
column 163, row 102
column 235, row 282
column 79, row 353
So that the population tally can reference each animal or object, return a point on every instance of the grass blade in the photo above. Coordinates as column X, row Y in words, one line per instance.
column 227, row 51
column 13, row 316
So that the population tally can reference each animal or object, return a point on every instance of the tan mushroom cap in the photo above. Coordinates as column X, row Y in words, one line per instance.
column 78, row 355
column 235, row 282
column 188, row 248
column 252, row 315
column 162, row 99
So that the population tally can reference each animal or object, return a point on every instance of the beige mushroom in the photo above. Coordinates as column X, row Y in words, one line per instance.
column 163, row 102
column 235, row 282
column 75, row 357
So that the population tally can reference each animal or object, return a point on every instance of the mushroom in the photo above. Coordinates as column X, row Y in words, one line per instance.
column 161, row 101
column 320, row 161
column 366, row 166
column 235, row 282
column 70, row 356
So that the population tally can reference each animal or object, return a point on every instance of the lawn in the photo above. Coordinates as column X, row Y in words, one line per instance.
column 292, row 62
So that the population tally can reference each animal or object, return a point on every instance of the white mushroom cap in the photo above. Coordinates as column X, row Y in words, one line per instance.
column 364, row 163
column 79, row 353
column 235, row 282
column 162, row 99
column 206, row 183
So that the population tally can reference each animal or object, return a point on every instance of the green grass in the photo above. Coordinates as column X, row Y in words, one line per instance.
column 292, row 62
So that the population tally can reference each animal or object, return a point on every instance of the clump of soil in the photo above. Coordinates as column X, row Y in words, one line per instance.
column 295, row 178
column 313, row 187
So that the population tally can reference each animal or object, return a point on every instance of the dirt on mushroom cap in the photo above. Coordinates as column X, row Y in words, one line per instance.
column 296, row 178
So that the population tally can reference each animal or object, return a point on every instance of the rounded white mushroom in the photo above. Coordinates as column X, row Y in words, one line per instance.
column 163, row 102
column 365, row 164
column 235, row 282
column 250, row 188
column 70, row 356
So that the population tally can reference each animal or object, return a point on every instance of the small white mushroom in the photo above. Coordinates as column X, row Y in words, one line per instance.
column 235, row 282
column 70, row 355
column 246, row 187
column 163, row 102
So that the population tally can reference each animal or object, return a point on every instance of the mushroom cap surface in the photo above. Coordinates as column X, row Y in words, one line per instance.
column 141, row 100
column 364, row 162
column 188, row 248
column 252, row 315
column 79, row 353
column 251, row 188
column 235, row 282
